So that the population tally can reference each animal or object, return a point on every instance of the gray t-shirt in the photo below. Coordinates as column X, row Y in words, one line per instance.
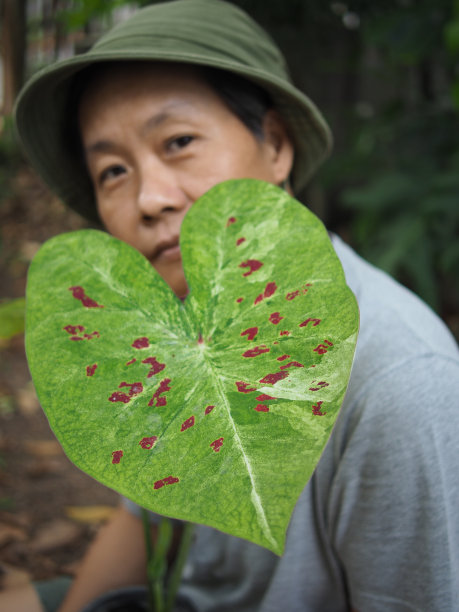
column 377, row 526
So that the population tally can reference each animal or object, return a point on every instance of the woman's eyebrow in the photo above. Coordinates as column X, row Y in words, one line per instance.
column 169, row 111
column 100, row 146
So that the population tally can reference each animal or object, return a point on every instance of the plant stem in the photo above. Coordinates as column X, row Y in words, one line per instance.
column 157, row 560
column 149, row 555
column 177, row 568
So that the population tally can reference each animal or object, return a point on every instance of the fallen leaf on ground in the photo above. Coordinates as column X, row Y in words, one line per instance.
column 18, row 519
column 10, row 534
column 43, row 448
column 44, row 467
column 57, row 534
column 90, row 514
column 27, row 401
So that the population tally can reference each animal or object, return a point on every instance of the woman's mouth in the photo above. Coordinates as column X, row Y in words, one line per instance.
column 167, row 251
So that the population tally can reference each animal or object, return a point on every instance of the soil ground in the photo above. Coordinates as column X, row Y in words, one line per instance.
column 49, row 510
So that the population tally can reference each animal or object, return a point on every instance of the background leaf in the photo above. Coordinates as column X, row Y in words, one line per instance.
column 11, row 318
column 214, row 410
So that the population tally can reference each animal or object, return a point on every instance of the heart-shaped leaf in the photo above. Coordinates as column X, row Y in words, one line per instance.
column 216, row 409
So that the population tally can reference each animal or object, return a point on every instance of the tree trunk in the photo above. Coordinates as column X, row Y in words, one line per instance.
column 12, row 49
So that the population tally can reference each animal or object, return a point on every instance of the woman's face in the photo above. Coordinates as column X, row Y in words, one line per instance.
column 156, row 138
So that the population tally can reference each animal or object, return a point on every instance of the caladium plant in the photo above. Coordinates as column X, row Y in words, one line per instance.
column 214, row 409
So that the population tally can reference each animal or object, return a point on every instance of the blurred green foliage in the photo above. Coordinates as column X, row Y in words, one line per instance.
column 398, row 178
column 10, row 155
column 12, row 314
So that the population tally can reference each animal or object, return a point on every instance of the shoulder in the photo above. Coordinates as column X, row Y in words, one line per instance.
column 405, row 377
column 400, row 337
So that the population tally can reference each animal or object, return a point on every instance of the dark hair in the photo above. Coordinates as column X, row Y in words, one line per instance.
column 248, row 101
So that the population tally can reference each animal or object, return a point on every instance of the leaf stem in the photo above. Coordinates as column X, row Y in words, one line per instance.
column 156, row 560
column 177, row 568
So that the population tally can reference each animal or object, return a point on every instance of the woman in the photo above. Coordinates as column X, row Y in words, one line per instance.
column 178, row 98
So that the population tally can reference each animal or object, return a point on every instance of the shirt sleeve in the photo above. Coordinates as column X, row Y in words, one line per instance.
column 392, row 507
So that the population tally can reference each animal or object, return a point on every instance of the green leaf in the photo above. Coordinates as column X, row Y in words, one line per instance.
column 383, row 193
column 216, row 409
column 11, row 318
column 452, row 36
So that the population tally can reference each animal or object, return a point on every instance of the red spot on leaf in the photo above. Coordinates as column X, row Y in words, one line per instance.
column 284, row 332
column 244, row 387
column 252, row 264
column 116, row 456
column 117, row 396
column 165, row 481
column 315, row 322
column 163, row 388
column 250, row 332
column 293, row 294
column 170, row 480
column 79, row 294
column 73, row 329
column 188, row 423
column 283, row 357
column 320, row 385
column 148, row 443
column 240, row 241
column 264, row 398
column 94, row 334
column 134, row 388
column 272, row 379
column 216, row 445
column 275, row 318
column 131, row 362
column 209, row 409
column 317, row 409
column 270, row 290
column 258, row 350
column 292, row 364
column 91, row 369
column 155, row 366
column 230, row 221
column 141, row 343
column 239, row 300
column 323, row 348
column 261, row 408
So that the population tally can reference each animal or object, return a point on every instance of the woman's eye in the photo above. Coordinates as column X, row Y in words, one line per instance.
column 111, row 173
column 179, row 143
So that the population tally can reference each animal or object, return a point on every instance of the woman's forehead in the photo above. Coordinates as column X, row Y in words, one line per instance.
column 109, row 78
column 147, row 94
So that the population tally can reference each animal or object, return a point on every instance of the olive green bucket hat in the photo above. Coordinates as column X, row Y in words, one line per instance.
column 202, row 32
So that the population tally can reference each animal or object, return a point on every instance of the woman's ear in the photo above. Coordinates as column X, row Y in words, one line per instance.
column 279, row 146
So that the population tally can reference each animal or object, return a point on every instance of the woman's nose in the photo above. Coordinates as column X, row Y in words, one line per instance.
column 159, row 192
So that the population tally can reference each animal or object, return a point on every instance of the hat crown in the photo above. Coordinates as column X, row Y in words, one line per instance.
column 199, row 30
